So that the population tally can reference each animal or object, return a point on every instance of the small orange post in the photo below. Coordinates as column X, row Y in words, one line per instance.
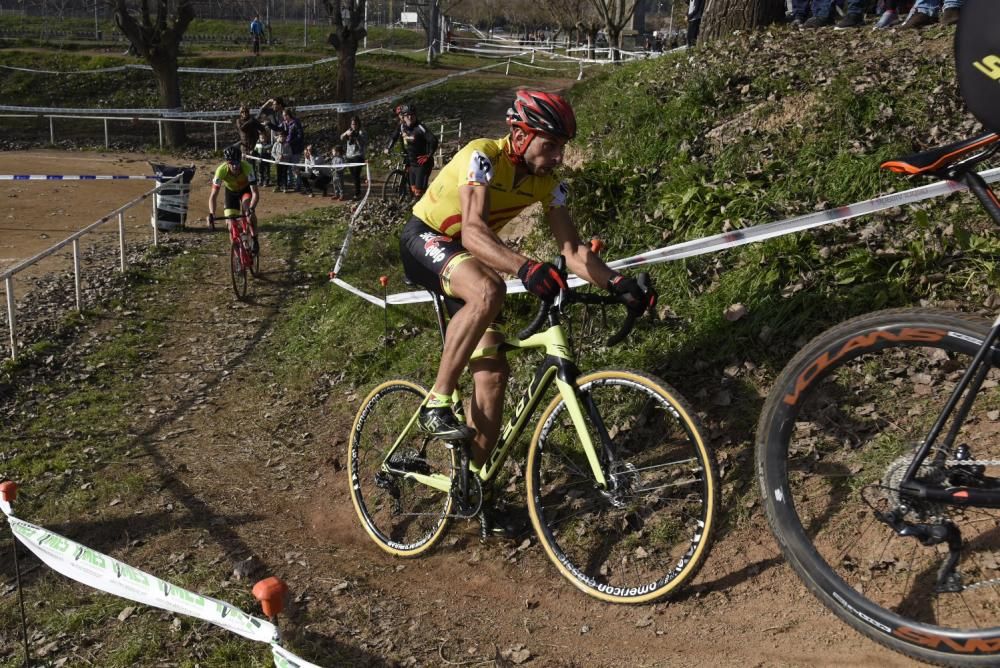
column 271, row 592
column 8, row 490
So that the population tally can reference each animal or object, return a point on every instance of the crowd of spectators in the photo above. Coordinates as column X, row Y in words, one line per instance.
column 848, row 14
column 274, row 141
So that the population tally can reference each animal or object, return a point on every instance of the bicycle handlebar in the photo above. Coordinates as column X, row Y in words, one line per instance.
column 570, row 296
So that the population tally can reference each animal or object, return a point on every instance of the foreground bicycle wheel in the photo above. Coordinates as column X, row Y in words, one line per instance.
column 403, row 516
column 651, row 534
column 238, row 270
column 835, row 437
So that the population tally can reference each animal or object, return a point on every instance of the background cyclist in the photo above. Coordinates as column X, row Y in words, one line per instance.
column 419, row 145
column 236, row 176
column 450, row 246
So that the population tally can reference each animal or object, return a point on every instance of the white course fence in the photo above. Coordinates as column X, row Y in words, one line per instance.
column 73, row 240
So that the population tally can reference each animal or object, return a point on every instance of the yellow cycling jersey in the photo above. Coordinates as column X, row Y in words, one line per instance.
column 485, row 162
column 234, row 182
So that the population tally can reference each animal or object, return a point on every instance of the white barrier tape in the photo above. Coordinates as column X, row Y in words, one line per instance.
column 189, row 70
column 104, row 573
column 355, row 291
column 487, row 53
column 72, row 177
column 341, row 107
column 302, row 164
column 350, row 224
column 534, row 67
column 285, row 659
column 727, row 240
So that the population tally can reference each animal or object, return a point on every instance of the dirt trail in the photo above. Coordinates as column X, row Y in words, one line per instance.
column 261, row 476
column 234, row 475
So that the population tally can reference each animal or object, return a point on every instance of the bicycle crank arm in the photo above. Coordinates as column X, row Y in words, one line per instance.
column 955, row 496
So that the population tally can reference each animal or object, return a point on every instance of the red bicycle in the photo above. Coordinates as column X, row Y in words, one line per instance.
column 244, row 252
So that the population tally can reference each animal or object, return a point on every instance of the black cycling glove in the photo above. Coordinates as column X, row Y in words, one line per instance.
column 631, row 294
column 542, row 279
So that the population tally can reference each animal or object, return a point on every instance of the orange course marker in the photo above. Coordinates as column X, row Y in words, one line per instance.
column 8, row 490
column 271, row 592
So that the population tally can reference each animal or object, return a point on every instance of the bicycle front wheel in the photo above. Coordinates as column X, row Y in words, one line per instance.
column 238, row 270
column 399, row 509
column 396, row 185
column 650, row 531
column 836, row 436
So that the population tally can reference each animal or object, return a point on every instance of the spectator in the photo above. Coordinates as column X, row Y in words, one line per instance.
column 821, row 10
column 312, row 176
column 270, row 113
column 927, row 12
column 337, row 174
column 262, row 149
column 854, row 15
column 256, row 33
column 249, row 129
column 695, row 9
column 356, row 141
column 296, row 139
column 282, row 153
column 889, row 16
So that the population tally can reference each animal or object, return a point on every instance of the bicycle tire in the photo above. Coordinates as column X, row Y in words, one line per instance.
column 396, row 185
column 405, row 518
column 836, row 433
column 625, row 547
column 237, row 270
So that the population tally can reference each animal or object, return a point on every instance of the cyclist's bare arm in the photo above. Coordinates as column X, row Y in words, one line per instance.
column 478, row 238
column 254, row 197
column 580, row 259
column 211, row 200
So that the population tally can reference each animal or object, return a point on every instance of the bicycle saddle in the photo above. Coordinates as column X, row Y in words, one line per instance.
column 937, row 158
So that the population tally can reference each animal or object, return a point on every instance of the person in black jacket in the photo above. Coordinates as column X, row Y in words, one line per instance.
column 419, row 144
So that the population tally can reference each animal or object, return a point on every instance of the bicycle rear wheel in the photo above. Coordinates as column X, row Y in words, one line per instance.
column 835, row 437
column 647, row 536
column 403, row 516
column 238, row 270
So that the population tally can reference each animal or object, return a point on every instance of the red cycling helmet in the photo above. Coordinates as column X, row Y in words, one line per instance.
column 536, row 112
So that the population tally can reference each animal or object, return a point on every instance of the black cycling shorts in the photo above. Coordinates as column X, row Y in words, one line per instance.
column 233, row 199
column 429, row 257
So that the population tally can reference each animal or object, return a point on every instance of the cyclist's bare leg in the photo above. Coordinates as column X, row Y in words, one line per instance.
column 489, row 377
column 483, row 292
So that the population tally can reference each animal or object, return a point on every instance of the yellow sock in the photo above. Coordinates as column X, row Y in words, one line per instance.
column 437, row 400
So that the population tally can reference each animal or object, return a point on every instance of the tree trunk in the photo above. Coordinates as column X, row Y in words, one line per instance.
column 347, row 60
column 722, row 17
column 168, row 83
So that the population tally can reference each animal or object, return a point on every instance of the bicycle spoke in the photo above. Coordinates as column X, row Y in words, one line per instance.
column 847, row 436
column 403, row 515
column 626, row 541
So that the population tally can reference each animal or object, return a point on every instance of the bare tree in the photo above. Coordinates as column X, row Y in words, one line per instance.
column 347, row 19
column 616, row 14
column 430, row 13
column 158, row 40
column 578, row 15
column 722, row 17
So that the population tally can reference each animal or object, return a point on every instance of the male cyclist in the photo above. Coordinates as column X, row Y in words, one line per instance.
column 450, row 246
column 237, row 177
column 419, row 145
